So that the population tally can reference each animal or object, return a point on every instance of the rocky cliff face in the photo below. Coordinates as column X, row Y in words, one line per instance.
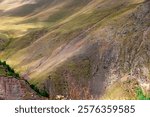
column 14, row 89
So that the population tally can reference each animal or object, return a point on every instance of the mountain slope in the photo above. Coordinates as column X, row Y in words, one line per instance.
column 80, row 49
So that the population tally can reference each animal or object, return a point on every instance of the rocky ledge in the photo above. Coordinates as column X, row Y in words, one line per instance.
column 16, row 89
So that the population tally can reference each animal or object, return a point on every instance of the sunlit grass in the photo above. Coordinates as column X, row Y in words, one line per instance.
column 9, row 24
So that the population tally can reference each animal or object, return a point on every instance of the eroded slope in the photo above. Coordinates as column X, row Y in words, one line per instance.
column 83, row 48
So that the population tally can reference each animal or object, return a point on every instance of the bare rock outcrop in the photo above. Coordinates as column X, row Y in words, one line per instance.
column 16, row 89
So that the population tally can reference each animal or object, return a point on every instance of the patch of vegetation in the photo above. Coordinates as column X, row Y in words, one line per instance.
column 39, row 92
column 140, row 95
column 7, row 70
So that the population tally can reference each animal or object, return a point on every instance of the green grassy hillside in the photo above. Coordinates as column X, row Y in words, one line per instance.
column 89, row 44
